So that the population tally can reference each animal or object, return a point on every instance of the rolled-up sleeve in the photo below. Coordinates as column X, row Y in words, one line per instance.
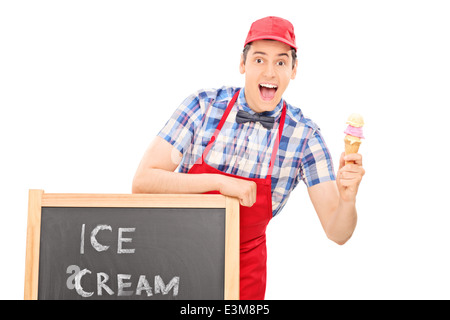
column 317, row 164
column 179, row 130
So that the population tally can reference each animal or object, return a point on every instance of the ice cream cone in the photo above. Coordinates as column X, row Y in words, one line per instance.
column 354, row 134
column 351, row 146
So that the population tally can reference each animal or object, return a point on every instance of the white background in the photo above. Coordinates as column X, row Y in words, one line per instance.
column 86, row 85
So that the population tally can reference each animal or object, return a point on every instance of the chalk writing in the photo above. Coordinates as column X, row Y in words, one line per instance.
column 98, row 246
column 124, row 284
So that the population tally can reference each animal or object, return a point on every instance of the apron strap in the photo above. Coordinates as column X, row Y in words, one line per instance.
column 277, row 141
column 219, row 127
column 222, row 122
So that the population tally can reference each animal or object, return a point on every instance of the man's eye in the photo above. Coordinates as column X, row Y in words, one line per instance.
column 281, row 63
column 259, row 60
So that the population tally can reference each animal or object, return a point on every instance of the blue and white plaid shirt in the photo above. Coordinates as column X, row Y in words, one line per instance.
column 245, row 149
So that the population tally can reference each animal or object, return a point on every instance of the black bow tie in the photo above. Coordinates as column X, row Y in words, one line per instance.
column 243, row 117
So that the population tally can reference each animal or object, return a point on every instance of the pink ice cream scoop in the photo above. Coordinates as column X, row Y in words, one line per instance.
column 354, row 131
column 355, row 123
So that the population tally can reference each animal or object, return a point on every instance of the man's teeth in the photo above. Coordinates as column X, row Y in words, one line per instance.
column 266, row 85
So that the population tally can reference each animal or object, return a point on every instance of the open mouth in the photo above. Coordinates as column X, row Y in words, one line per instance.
column 267, row 91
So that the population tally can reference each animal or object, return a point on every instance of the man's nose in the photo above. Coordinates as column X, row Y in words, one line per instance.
column 269, row 71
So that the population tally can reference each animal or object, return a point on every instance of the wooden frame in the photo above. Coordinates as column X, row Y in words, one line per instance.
column 39, row 199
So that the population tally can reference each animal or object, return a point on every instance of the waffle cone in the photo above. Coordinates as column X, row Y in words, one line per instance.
column 351, row 147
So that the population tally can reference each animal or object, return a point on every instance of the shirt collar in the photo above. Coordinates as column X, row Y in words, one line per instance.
column 242, row 105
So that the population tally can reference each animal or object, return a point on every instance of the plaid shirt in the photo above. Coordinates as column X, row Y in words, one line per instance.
column 245, row 149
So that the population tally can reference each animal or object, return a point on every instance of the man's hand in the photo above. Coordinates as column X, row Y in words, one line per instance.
column 349, row 176
column 242, row 189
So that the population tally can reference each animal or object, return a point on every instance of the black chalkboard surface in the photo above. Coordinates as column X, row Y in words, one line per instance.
column 154, row 247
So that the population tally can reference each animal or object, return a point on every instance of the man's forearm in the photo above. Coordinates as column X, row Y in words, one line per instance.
column 162, row 181
column 155, row 174
column 342, row 222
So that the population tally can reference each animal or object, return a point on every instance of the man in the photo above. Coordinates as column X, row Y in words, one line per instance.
column 250, row 144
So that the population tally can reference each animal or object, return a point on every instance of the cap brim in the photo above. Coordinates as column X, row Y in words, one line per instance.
column 292, row 45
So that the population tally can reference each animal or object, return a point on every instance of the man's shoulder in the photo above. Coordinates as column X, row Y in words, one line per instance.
column 199, row 101
column 296, row 118
column 224, row 93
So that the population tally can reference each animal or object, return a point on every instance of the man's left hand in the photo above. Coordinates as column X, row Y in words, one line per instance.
column 349, row 176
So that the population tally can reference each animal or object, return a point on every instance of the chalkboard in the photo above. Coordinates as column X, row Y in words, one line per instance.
column 153, row 247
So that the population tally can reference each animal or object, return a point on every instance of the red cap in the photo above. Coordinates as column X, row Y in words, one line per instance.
column 272, row 28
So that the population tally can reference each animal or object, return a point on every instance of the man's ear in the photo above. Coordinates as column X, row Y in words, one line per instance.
column 294, row 71
column 242, row 64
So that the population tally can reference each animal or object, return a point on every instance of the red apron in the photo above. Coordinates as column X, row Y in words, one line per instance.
column 253, row 220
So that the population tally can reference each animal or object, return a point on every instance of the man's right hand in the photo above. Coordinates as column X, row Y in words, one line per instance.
column 242, row 189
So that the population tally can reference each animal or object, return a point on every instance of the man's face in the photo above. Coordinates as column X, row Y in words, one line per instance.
column 268, row 71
